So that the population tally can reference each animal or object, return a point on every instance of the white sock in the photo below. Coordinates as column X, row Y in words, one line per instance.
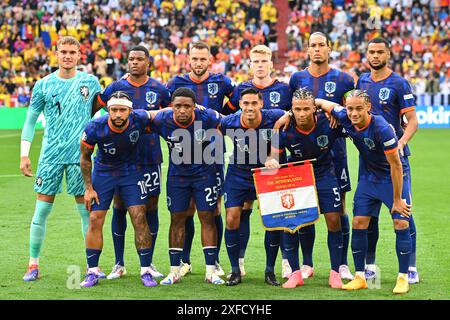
column 175, row 270
column 33, row 261
column 93, row 270
column 145, row 270
column 360, row 274
column 210, row 269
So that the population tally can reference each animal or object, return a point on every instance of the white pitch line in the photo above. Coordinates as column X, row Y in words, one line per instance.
column 10, row 135
column 11, row 175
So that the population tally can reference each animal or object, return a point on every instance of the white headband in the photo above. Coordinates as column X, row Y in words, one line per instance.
column 120, row 102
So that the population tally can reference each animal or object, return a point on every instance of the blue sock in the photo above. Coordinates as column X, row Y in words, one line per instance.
column 291, row 249
column 244, row 231
column 412, row 229
column 118, row 228
column 282, row 247
column 232, row 243
column 92, row 256
column 345, row 227
column 210, row 255
column 272, row 241
column 145, row 257
column 188, row 238
column 219, row 226
column 153, row 224
column 307, row 235
column 403, row 248
column 175, row 256
column 372, row 239
column 335, row 248
column 359, row 248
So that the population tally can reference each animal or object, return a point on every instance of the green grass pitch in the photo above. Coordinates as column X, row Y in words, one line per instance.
column 64, row 248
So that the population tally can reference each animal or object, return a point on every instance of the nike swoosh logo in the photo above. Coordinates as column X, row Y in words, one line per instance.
column 153, row 189
column 119, row 235
column 213, row 203
column 290, row 249
column 340, row 247
column 91, row 256
column 233, row 245
column 342, row 187
column 404, row 253
column 355, row 252
column 210, row 254
column 237, row 140
column 274, row 245
column 336, row 205
column 54, row 95
column 143, row 197
column 294, row 145
column 108, row 144
column 144, row 254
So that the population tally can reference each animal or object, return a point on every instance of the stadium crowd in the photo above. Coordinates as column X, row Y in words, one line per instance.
column 419, row 31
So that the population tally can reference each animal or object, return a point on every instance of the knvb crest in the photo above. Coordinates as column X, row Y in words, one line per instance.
column 287, row 201
column 384, row 94
column 275, row 97
column 330, row 86
column 84, row 91
column 213, row 88
column 151, row 97
column 134, row 136
column 267, row 134
column 322, row 141
column 200, row 135
column 369, row 143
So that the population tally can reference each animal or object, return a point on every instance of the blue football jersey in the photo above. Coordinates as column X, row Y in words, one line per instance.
column 391, row 98
column 251, row 145
column 209, row 93
column 277, row 95
column 117, row 153
column 187, row 143
column 331, row 86
column 374, row 141
column 152, row 95
column 316, row 143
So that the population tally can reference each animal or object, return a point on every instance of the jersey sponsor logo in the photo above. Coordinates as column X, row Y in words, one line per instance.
column 322, row 141
column 369, row 143
column 267, row 134
column 213, row 88
column 134, row 136
column 274, row 97
column 200, row 135
column 39, row 181
column 330, row 86
column 287, row 201
column 84, row 91
column 384, row 94
column 151, row 97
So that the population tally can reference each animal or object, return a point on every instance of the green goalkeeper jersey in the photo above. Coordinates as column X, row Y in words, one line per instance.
column 67, row 107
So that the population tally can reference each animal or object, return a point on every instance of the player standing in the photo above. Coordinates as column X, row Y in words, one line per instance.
column 116, row 169
column 210, row 91
column 391, row 97
column 330, row 84
column 275, row 95
column 251, row 131
column 383, row 178
column 65, row 97
column 185, row 129
column 309, row 136
column 146, row 94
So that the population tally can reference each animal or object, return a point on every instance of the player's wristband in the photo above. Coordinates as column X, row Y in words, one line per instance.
column 24, row 148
